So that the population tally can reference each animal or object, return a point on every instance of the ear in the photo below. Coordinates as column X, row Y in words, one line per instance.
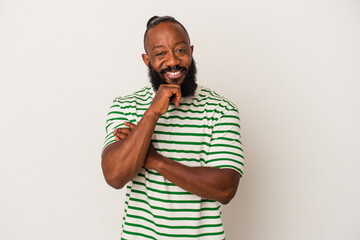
column 145, row 58
column 191, row 49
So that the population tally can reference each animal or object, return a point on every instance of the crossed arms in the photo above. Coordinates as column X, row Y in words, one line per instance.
column 123, row 159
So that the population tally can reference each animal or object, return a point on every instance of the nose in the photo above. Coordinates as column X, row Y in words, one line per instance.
column 172, row 60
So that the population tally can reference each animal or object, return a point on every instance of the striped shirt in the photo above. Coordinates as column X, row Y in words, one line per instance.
column 202, row 131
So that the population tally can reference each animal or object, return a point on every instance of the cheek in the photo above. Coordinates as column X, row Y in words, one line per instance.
column 187, row 61
column 157, row 64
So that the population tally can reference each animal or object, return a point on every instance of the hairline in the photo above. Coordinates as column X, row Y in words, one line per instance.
column 172, row 22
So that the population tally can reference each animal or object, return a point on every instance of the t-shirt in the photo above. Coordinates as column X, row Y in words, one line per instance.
column 204, row 130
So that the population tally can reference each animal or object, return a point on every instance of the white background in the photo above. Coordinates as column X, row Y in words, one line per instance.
column 292, row 67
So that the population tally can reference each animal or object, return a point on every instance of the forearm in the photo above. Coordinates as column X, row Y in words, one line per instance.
column 122, row 160
column 206, row 182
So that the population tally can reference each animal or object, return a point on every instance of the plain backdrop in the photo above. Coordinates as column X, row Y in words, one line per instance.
column 292, row 68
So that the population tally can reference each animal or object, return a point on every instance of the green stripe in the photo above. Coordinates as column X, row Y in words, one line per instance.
column 107, row 144
column 156, row 182
column 217, row 97
column 160, row 191
column 218, row 105
column 146, row 88
column 225, row 152
column 174, row 235
column 227, row 139
column 174, row 209
column 174, row 227
column 228, row 131
column 225, row 159
column 137, row 103
column 227, row 124
column 194, row 111
column 188, row 159
column 230, row 166
column 118, row 118
column 121, row 99
column 183, row 118
column 137, row 96
column 227, row 145
column 122, row 113
column 164, row 200
column 183, row 134
column 180, row 142
column 174, row 218
column 115, row 105
column 137, row 234
column 152, row 172
column 189, row 118
column 231, row 116
column 206, row 98
column 129, row 106
column 181, row 151
column 196, row 152
column 199, row 143
column 110, row 135
column 183, row 125
column 121, row 124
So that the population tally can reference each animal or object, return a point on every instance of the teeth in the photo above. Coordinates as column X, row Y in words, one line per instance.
column 174, row 73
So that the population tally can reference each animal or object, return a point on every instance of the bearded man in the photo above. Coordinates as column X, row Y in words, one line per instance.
column 175, row 146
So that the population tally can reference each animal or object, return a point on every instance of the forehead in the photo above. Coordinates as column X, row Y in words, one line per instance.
column 165, row 34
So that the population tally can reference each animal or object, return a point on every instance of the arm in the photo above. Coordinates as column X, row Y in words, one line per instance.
column 206, row 182
column 122, row 160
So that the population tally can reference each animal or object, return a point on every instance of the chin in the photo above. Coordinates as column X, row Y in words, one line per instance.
column 177, row 81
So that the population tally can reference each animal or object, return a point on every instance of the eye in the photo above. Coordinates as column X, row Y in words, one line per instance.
column 160, row 54
column 181, row 50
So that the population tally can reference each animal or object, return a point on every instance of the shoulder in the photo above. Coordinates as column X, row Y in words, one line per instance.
column 144, row 94
column 209, row 96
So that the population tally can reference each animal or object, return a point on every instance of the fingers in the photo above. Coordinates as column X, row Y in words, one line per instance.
column 166, row 94
column 176, row 100
column 120, row 136
column 176, row 94
column 121, row 133
column 130, row 125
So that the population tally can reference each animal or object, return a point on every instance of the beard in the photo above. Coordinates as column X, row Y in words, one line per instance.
column 188, row 86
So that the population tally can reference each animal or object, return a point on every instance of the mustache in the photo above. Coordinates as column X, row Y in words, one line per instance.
column 177, row 67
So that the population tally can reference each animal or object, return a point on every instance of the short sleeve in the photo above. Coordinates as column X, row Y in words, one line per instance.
column 225, row 146
column 115, row 119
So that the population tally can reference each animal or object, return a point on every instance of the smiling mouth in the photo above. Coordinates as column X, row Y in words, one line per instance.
column 174, row 74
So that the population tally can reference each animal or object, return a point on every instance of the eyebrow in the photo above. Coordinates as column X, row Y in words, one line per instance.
column 183, row 41
column 160, row 46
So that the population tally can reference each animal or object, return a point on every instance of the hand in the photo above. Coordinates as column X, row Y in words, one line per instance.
column 151, row 156
column 122, row 133
column 165, row 94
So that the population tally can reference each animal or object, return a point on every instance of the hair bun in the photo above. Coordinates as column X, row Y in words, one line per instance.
column 150, row 20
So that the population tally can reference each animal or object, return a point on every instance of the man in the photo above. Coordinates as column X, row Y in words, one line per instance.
column 176, row 146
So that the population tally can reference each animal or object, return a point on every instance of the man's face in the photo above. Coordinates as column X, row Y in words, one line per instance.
column 188, row 86
column 168, row 52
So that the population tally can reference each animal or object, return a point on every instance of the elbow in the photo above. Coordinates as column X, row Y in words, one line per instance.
column 114, row 182
column 228, row 192
column 227, row 195
column 115, row 178
column 111, row 176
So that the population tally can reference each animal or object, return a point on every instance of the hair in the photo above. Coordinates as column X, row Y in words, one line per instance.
column 155, row 20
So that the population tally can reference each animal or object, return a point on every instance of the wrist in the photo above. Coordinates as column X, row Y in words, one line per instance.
column 158, row 162
column 150, row 113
